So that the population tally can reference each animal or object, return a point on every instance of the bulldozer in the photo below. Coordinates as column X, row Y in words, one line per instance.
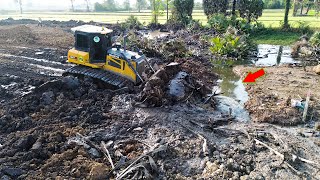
column 95, row 56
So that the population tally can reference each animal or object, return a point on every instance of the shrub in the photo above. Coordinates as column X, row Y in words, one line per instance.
column 132, row 23
column 195, row 25
column 219, row 22
column 231, row 45
column 250, row 9
column 211, row 7
column 303, row 27
column 315, row 39
column 182, row 11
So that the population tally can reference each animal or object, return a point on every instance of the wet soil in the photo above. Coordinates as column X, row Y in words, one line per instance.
column 270, row 98
column 53, row 127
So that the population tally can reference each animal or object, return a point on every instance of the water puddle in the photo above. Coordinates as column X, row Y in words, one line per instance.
column 154, row 34
column 273, row 55
column 234, row 94
column 33, row 59
column 55, row 71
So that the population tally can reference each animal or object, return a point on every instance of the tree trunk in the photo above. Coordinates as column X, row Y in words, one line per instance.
column 295, row 8
column 234, row 3
column 286, row 15
column 167, row 10
column 20, row 5
column 308, row 8
column 301, row 9
column 72, row 7
column 154, row 11
column 88, row 9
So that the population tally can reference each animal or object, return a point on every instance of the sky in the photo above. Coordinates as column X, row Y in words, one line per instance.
column 50, row 4
column 43, row 4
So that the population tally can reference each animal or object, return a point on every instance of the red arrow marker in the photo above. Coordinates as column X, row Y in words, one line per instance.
column 251, row 77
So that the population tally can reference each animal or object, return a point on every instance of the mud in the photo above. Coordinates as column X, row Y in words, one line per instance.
column 270, row 98
column 54, row 127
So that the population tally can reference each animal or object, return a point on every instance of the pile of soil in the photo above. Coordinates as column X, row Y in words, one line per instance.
column 270, row 98
column 20, row 34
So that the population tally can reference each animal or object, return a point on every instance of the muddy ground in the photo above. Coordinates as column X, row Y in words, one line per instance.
column 54, row 127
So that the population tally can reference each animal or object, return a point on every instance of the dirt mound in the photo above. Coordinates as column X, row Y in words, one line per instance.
column 20, row 34
column 270, row 98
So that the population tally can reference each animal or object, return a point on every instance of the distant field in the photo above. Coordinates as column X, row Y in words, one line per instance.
column 269, row 17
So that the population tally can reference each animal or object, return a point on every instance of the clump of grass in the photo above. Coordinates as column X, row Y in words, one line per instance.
column 276, row 36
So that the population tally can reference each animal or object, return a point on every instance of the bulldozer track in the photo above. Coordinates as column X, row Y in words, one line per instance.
column 107, row 77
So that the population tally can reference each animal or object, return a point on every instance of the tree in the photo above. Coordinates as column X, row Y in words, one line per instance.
column 87, row 2
column 286, row 14
column 141, row 4
column 126, row 5
column 211, row 7
column 19, row 2
column 182, row 10
column 233, row 11
column 110, row 5
column 250, row 9
column 72, row 6
column 157, row 10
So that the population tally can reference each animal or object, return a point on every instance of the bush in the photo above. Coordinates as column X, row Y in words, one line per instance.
column 195, row 25
column 303, row 27
column 231, row 45
column 132, row 23
column 315, row 39
column 274, row 4
column 219, row 22
column 211, row 7
column 182, row 11
column 250, row 9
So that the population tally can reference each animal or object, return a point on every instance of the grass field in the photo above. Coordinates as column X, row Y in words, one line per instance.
column 270, row 17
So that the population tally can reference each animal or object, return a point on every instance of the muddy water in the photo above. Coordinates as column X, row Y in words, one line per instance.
column 234, row 93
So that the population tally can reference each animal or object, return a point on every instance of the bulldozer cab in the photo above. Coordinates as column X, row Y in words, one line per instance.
column 94, row 40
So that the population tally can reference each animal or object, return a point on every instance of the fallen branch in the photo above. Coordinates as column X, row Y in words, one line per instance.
column 104, row 147
column 205, row 148
column 294, row 157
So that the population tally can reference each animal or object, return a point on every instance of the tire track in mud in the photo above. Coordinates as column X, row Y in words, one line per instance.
column 35, row 65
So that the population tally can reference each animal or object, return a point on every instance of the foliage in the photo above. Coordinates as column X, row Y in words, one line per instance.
column 250, row 9
column 275, row 36
column 126, row 5
column 231, row 45
column 132, row 23
column 286, row 15
column 220, row 23
column 141, row 4
column 108, row 5
column 173, row 49
column 211, row 7
column 157, row 10
column 303, row 27
column 315, row 39
column 274, row 4
column 182, row 11
column 194, row 25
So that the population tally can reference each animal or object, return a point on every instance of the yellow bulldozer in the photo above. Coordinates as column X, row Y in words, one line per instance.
column 95, row 56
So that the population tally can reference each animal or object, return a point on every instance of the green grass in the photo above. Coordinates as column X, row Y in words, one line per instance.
column 269, row 17
column 275, row 36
